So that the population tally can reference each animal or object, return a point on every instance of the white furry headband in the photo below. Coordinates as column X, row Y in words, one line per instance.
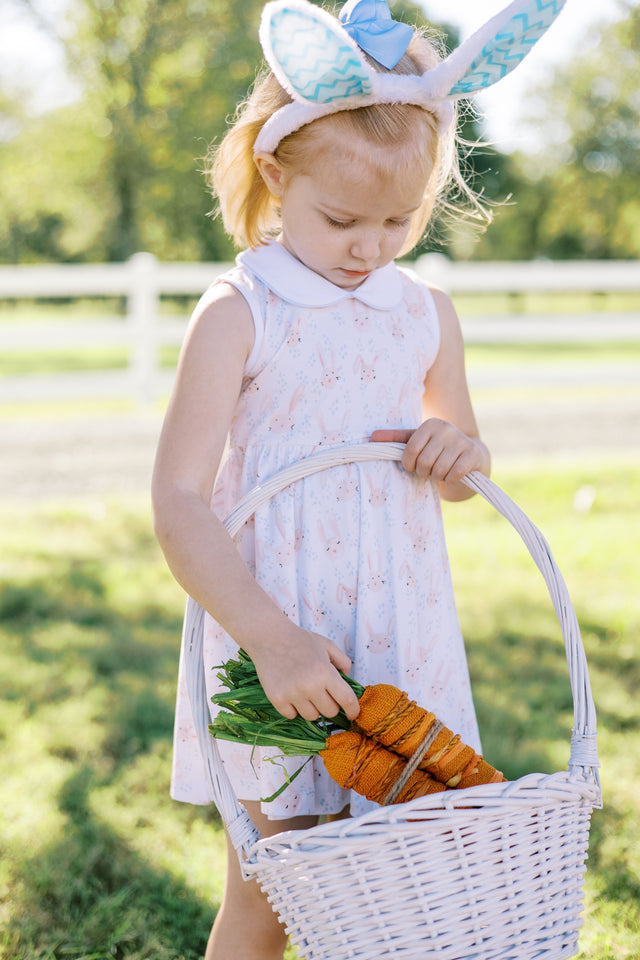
column 318, row 60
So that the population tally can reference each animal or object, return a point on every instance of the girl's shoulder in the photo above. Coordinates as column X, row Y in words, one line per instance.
column 440, row 301
column 412, row 279
column 231, row 286
column 237, row 292
column 221, row 300
column 221, row 316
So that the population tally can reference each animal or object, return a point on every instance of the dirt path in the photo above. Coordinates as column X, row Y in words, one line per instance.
column 92, row 458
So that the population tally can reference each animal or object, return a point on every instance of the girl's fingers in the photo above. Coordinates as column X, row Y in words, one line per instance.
column 321, row 705
column 391, row 436
column 351, row 706
column 337, row 694
column 286, row 709
column 328, row 702
column 452, row 465
column 318, row 688
column 340, row 691
column 308, row 711
column 422, row 455
column 344, row 697
column 438, row 465
column 436, row 450
column 339, row 659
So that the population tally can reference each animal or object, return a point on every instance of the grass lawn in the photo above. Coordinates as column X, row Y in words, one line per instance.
column 99, row 863
column 69, row 359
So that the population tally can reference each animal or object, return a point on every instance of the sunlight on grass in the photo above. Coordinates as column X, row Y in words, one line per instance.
column 99, row 862
column 558, row 354
column 516, row 654
column 545, row 302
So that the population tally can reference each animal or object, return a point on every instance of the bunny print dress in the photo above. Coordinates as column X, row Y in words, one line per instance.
column 355, row 552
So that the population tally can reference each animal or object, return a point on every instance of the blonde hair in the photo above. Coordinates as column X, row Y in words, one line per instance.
column 251, row 214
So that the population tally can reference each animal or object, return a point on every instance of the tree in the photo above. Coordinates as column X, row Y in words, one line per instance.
column 162, row 74
column 158, row 78
column 578, row 197
column 118, row 170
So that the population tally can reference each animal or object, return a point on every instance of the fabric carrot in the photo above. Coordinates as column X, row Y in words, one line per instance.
column 352, row 759
column 370, row 755
column 359, row 763
column 390, row 717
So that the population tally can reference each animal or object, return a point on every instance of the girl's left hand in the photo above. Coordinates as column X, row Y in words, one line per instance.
column 437, row 450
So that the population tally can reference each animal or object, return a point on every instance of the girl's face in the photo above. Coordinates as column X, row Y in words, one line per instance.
column 347, row 215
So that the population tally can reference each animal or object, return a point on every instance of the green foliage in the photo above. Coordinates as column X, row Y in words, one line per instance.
column 121, row 169
column 577, row 196
column 53, row 203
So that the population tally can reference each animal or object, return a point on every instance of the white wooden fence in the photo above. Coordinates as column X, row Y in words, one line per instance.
column 143, row 281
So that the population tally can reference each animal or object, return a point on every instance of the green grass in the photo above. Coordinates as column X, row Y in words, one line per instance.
column 41, row 310
column 555, row 303
column 72, row 360
column 99, row 863
column 17, row 363
column 519, row 672
column 506, row 354
column 57, row 309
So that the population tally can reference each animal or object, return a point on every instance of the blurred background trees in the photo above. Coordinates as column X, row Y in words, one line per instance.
column 578, row 196
column 119, row 169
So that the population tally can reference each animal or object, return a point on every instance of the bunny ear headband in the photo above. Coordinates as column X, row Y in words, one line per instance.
column 319, row 62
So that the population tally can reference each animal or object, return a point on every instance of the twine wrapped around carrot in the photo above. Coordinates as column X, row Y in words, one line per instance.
column 393, row 752
column 359, row 763
column 390, row 717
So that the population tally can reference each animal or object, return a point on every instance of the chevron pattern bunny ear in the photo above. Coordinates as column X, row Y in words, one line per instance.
column 502, row 50
column 312, row 57
column 322, row 68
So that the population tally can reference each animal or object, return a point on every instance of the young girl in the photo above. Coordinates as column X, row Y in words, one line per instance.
column 315, row 339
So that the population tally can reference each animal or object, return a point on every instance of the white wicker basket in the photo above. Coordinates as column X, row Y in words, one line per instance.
column 489, row 873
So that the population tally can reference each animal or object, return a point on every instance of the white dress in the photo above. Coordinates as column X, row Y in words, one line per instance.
column 357, row 552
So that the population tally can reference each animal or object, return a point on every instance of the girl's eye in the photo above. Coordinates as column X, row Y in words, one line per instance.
column 399, row 223
column 340, row 224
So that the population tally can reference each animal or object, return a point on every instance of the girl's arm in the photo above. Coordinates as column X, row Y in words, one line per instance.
column 297, row 668
column 447, row 444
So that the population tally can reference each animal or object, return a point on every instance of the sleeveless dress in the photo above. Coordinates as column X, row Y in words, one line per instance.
column 357, row 552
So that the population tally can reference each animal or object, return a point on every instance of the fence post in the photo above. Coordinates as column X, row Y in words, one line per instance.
column 142, row 311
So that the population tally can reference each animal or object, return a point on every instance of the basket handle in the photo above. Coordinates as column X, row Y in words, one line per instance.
column 583, row 761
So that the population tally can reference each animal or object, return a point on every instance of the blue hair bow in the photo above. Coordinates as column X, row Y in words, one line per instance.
column 370, row 24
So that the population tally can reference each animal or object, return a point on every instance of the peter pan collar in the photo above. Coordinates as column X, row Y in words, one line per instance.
column 291, row 280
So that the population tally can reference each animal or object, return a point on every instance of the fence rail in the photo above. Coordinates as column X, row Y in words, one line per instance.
column 143, row 281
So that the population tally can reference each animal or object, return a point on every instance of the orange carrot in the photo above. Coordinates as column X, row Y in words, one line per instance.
column 398, row 723
column 369, row 755
column 358, row 763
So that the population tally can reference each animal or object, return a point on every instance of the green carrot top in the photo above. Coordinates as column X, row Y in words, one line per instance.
column 248, row 716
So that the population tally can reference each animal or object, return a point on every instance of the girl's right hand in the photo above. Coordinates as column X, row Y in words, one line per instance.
column 300, row 675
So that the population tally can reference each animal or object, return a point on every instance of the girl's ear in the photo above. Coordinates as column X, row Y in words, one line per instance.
column 271, row 171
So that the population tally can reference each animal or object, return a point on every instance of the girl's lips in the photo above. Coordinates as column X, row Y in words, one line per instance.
column 356, row 273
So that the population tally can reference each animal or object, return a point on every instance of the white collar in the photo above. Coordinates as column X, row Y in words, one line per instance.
column 297, row 284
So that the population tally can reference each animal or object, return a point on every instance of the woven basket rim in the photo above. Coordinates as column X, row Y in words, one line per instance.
column 532, row 792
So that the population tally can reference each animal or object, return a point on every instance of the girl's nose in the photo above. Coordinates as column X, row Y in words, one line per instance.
column 366, row 246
